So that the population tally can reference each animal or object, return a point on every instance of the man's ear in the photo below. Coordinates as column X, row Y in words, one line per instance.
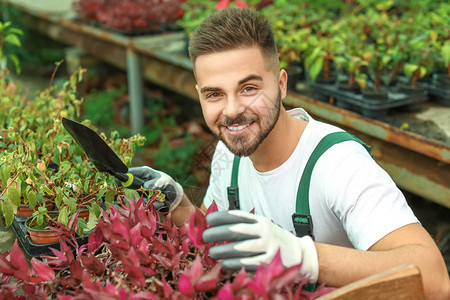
column 282, row 83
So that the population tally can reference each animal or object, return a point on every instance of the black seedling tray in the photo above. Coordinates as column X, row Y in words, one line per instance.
column 369, row 107
column 439, row 94
column 33, row 249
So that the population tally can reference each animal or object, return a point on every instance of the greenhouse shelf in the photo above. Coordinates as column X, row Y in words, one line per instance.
column 162, row 61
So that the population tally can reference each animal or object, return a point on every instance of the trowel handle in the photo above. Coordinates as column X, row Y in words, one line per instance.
column 129, row 180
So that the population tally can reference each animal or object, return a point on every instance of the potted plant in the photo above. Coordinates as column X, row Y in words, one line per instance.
column 37, row 227
column 323, row 45
column 292, row 28
column 131, row 16
column 133, row 254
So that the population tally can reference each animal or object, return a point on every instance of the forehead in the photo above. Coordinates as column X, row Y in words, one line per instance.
column 229, row 67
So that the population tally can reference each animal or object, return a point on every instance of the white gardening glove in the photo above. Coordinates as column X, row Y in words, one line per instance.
column 157, row 180
column 257, row 240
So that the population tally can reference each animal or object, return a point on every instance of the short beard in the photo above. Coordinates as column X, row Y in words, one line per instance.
column 241, row 145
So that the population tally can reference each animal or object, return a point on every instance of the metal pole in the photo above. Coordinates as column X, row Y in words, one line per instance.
column 134, row 76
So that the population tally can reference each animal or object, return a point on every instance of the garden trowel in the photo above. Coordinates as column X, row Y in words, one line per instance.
column 101, row 155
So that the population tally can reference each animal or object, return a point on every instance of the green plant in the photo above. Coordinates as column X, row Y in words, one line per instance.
column 9, row 42
column 42, row 161
column 445, row 54
column 323, row 45
column 40, row 219
column 292, row 28
column 98, row 105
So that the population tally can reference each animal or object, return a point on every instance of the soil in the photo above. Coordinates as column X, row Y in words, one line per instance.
column 431, row 129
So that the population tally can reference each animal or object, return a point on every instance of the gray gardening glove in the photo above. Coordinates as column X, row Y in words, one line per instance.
column 157, row 180
column 257, row 240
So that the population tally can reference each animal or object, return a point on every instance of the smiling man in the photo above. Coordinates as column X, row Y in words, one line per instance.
column 318, row 196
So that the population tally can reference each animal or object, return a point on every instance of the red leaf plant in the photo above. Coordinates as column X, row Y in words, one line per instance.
column 137, row 253
column 131, row 16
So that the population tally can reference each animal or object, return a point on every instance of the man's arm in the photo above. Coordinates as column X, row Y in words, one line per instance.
column 410, row 244
column 182, row 212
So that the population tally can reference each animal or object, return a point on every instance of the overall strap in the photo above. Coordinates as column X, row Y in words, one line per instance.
column 302, row 217
column 233, row 189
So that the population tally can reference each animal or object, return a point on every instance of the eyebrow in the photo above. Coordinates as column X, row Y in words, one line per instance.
column 244, row 80
column 250, row 77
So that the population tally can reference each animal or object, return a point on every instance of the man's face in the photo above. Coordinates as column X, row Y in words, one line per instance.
column 240, row 97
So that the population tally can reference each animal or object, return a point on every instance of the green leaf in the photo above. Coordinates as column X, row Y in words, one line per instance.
column 32, row 201
column 16, row 31
column 110, row 196
column 445, row 52
column 101, row 193
column 93, row 219
column 96, row 209
column 5, row 174
column 40, row 219
column 8, row 213
column 316, row 68
column 13, row 40
column 65, row 165
column 130, row 194
column 16, row 62
column 422, row 71
column 47, row 190
column 14, row 196
column 72, row 205
column 63, row 216
column 409, row 69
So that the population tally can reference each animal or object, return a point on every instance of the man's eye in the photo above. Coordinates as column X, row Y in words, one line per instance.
column 213, row 95
column 248, row 89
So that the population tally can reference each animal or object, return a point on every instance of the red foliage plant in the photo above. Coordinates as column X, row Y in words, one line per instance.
column 133, row 254
column 131, row 16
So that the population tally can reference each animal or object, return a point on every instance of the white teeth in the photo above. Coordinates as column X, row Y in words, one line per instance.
column 237, row 128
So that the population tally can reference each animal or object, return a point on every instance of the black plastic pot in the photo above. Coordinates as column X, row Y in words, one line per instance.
column 344, row 86
column 33, row 249
column 371, row 105
column 442, row 80
column 295, row 74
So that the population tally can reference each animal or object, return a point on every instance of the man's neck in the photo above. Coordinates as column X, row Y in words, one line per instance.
column 279, row 144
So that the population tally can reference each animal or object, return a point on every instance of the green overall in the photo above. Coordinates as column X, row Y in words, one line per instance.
column 301, row 218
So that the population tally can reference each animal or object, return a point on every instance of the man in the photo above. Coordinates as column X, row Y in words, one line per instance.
column 361, row 222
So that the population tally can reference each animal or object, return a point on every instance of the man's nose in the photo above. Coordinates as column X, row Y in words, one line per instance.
column 233, row 107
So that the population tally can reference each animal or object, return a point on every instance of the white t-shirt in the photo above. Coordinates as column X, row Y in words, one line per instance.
column 353, row 201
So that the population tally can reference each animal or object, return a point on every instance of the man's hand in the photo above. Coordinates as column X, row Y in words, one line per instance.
column 257, row 240
column 157, row 180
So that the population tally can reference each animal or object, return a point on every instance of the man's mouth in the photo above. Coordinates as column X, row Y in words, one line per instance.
column 237, row 129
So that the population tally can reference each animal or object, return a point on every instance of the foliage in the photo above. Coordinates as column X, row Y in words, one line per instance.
column 41, row 162
column 9, row 43
column 98, row 105
column 133, row 254
column 130, row 15
column 195, row 11
column 364, row 39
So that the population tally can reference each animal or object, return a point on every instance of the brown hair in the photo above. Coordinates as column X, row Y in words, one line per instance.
column 234, row 28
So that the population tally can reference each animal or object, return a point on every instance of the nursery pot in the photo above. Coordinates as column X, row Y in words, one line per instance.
column 25, row 211
column 329, row 80
column 410, row 90
column 84, row 214
column 344, row 86
column 295, row 75
column 376, row 96
column 39, row 236
column 442, row 80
